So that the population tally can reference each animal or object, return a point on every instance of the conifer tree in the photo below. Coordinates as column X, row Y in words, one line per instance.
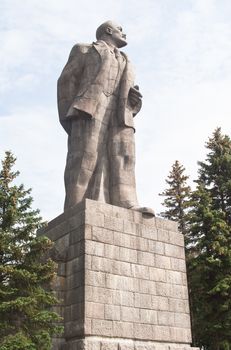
column 209, row 256
column 26, row 322
column 177, row 196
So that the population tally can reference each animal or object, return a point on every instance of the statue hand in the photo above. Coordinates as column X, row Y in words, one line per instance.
column 134, row 96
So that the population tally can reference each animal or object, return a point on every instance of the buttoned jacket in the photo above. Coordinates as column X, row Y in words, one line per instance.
column 84, row 79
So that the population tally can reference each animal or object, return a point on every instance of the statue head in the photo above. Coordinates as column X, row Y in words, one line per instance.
column 112, row 33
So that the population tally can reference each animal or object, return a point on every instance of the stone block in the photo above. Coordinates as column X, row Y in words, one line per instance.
column 112, row 312
column 74, row 312
column 174, row 277
column 176, row 238
column 142, row 244
column 112, row 252
column 146, row 346
column 61, row 270
column 162, row 261
column 156, row 274
column 78, row 234
column 94, row 248
column 182, row 320
column 184, row 279
column 163, row 289
column 94, row 219
column 130, row 314
column 75, row 265
column 106, row 345
column 143, row 301
column 147, row 287
column 178, row 264
column 179, row 306
column 121, row 268
column 166, row 318
column 73, row 345
column 76, row 250
column 160, row 303
column 181, row 335
column 100, row 208
column 137, row 217
column 162, row 333
column 122, row 282
column 55, row 232
column 126, row 345
column 166, row 224
column 87, row 326
column 124, row 240
column 87, row 262
column 75, row 280
column 101, row 264
column 129, row 255
column 123, row 298
column 76, row 221
column 119, row 212
column 74, row 296
column 156, row 247
column 140, row 271
column 179, row 291
column 174, row 251
column 74, row 329
column 145, row 258
column 130, row 227
column 143, row 331
column 91, row 344
column 102, row 328
column 123, row 329
column 98, row 295
column 102, row 235
column 94, row 310
column 148, row 316
column 95, row 278
column 163, row 235
column 115, row 224
column 147, row 232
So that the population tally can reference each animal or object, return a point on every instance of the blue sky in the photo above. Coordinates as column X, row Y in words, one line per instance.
column 181, row 51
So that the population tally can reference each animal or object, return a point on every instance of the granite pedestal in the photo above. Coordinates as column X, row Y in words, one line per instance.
column 122, row 279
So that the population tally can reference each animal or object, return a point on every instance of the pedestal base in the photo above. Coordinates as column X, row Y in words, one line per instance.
column 122, row 279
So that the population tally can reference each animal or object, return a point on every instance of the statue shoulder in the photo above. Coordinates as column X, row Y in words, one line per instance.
column 80, row 49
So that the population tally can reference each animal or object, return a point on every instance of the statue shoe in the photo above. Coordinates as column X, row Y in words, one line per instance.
column 144, row 210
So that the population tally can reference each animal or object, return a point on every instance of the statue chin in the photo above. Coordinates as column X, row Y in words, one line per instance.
column 122, row 43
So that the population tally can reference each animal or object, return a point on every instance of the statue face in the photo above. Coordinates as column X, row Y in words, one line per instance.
column 117, row 36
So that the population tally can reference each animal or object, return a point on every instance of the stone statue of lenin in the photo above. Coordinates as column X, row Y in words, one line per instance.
column 97, row 101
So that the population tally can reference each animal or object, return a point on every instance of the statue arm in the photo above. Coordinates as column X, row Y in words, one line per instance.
column 74, row 65
column 69, row 81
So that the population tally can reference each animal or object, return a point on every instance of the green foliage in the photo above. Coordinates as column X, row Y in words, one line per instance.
column 26, row 321
column 209, row 256
column 177, row 196
column 204, row 217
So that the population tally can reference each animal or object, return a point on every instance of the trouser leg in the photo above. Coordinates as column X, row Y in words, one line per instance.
column 83, row 149
column 122, row 167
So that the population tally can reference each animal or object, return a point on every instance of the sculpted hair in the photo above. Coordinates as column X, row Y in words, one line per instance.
column 101, row 30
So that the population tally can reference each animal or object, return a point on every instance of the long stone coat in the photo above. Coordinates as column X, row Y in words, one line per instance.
column 83, row 80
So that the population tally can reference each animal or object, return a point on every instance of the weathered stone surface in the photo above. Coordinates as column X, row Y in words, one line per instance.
column 122, row 284
column 97, row 101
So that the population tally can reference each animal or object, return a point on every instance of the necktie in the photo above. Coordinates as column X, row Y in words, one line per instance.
column 117, row 53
